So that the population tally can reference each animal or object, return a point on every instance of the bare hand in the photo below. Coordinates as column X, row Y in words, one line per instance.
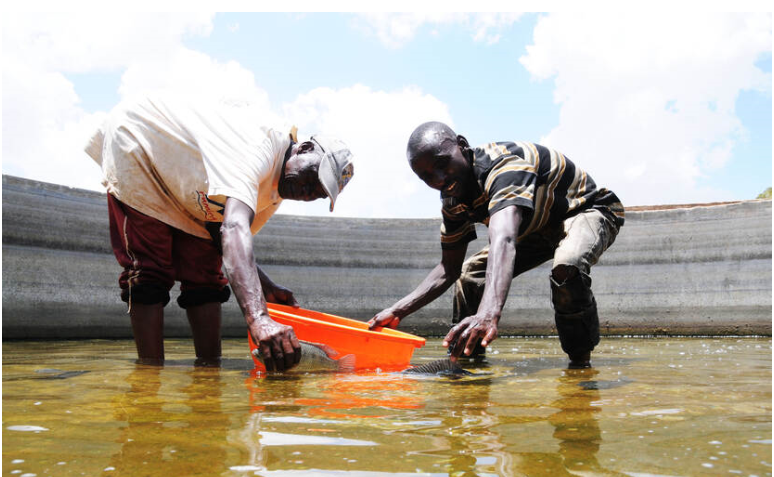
column 384, row 318
column 465, row 334
column 279, row 294
column 277, row 344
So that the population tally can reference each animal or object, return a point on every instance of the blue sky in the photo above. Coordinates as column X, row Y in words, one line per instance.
column 681, row 116
column 443, row 64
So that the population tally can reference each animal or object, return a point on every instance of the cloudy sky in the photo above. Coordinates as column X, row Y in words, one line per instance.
column 660, row 108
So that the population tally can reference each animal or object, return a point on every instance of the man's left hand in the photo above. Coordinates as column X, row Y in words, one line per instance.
column 279, row 294
column 465, row 334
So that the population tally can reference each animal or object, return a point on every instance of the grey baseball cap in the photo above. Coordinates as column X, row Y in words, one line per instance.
column 336, row 167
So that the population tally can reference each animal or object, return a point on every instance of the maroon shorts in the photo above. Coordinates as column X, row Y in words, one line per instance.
column 155, row 255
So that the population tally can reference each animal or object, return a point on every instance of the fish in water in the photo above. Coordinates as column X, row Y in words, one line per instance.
column 48, row 373
column 602, row 384
column 440, row 367
column 318, row 357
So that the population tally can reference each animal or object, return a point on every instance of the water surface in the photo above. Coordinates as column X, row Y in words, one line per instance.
column 649, row 407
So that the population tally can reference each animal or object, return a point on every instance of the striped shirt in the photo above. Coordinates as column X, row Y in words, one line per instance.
column 547, row 186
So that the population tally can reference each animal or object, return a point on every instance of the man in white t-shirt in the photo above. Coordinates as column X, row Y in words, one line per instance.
column 188, row 185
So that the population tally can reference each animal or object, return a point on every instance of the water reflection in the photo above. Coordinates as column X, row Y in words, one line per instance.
column 314, row 421
column 166, row 433
column 331, row 395
column 456, row 427
column 576, row 425
column 377, row 423
column 529, row 417
column 467, row 423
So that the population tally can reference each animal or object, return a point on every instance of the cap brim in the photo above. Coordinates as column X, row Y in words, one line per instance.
column 327, row 175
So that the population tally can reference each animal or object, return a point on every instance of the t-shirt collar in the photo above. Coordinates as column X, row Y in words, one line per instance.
column 291, row 138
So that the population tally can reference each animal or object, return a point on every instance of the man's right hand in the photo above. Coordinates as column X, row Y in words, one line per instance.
column 277, row 343
column 384, row 318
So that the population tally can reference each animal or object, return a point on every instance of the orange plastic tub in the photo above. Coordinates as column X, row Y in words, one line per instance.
column 386, row 349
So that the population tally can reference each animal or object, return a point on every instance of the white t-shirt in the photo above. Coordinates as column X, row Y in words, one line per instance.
column 178, row 160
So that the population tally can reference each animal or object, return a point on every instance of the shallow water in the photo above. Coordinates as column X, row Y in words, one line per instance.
column 649, row 407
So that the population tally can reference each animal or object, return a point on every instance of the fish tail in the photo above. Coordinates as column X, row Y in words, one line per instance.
column 346, row 364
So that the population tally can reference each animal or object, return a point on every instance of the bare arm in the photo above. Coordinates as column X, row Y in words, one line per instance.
column 435, row 283
column 278, row 343
column 274, row 293
column 503, row 230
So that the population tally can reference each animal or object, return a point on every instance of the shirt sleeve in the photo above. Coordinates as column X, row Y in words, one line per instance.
column 456, row 230
column 237, row 155
column 94, row 147
column 511, row 182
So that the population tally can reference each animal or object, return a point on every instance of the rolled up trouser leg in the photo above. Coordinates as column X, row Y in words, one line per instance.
column 146, row 294
column 575, row 308
column 198, row 266
column 199, row 296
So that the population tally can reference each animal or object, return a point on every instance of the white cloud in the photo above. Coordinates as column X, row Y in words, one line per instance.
column 394, row 30
column 44, row 130
column 44, row 127
column 87, row 42
column 487, row 26
column 647, row 100
column 191, row 72
column 375, row 125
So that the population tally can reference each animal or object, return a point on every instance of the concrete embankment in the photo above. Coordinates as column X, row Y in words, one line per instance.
column 702, row 270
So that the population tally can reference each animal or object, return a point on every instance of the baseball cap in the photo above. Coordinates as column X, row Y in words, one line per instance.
column 336, row 167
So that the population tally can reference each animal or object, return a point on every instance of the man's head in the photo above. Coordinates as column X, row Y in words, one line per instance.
column 435, row 154
column 317, row 168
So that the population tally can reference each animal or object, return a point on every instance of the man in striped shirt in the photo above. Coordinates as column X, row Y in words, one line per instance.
column 538, row 205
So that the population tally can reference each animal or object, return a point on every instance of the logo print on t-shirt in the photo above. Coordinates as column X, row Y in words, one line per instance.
column 209, row 207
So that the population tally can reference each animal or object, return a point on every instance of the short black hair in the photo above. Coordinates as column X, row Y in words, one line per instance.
column 432, row 134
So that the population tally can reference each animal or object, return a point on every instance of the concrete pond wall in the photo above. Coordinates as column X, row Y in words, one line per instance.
column 685, row 271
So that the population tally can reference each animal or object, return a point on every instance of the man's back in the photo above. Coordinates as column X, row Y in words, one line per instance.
column 175, row 159
column 547, row 185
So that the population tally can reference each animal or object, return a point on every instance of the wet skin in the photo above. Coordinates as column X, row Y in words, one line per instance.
column 277, row 342
column 443, row 161
column 252, row 287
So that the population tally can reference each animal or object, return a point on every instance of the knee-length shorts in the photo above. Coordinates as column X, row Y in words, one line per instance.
column 154, row 255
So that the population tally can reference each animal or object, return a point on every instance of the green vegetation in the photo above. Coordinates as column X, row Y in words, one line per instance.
column 766, row 194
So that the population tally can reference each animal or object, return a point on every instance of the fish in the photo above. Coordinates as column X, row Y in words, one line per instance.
column 440, row 367
column 47, row 373
column 318, row 357
column 65, row 375
column 603, row 384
